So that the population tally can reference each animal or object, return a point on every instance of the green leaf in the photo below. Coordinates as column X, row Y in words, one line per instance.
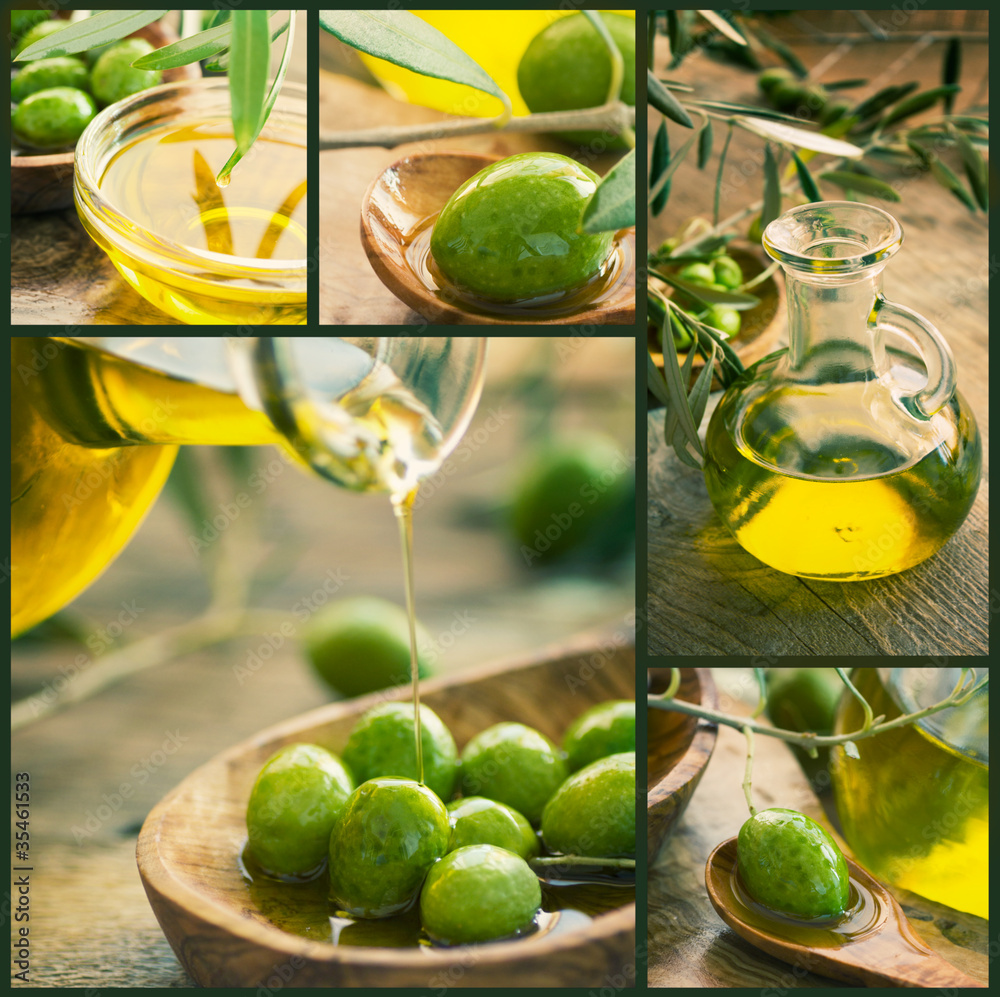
column 951, row 70
column 98, row 29
column 665, row 102
column 844, row 84
column 976, row 170
column 405, row 40
column 659, row 162
column 783, row 52
column 675, row 160
column 806, row 181
column 709, row 296
column 748, row 109
column 880, row 100
column 612, row 205
column 705, row 144
column 718, row 175
column 655, row 382
column 698, row 399
column 772, row 188
column 723, row 26
column 917, row 103
column 787, row 135
column 188, row 50
column 220, row 64
column 860, row 183
column 950, row 181
column 251, row 55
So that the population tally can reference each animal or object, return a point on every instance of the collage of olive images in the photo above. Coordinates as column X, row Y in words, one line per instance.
column 326, row 650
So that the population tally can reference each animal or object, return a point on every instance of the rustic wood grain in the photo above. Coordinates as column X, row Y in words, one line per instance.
column 690, row 946
column 351, row 293
column 678, row 748
column 189, row 845
column 706, row 594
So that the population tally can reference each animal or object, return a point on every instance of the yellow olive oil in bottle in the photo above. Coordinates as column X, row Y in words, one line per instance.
column 914, row 806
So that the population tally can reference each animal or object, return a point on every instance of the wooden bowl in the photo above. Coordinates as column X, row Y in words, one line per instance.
column 396, row 209
column 189, row 848
column 45, row 183
column 761, row 326
column 678, row 750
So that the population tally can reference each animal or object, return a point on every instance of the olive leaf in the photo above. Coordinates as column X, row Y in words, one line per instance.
column 612, row 205
column 617, row 62
column 406, row 40
column 879, row 101
column 781, row 50
column 248, row 79
column 861, row 183
column 772, row 188
column 787, row 135
column 98, row 29
column 708, row 295
column 751, row 111
column 976, row 169
column 723, row 26
column 918, row 102
column 659, row 162
column 950, row 181
column 806, row 181
column 705, row 144
column 664, row 178
column 951, row 70
column 665, row 102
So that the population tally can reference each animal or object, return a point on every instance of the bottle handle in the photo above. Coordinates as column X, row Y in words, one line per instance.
column 935, row 352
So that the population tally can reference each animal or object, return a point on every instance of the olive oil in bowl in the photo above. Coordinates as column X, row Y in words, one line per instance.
column 146, row 192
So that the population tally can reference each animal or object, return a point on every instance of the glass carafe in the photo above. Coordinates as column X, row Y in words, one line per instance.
column 95, row 424
column 850, row 454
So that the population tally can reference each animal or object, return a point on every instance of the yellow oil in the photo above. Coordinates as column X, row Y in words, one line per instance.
column 495, row 39
column 915, row 810
column 80, row 481
column 854, row 506
column 164, row 183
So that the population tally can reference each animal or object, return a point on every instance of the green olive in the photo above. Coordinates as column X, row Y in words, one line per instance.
column 513, row 764
column 593, row 811
column 113, row 76
column 512, row 232
column 697, row 273
column 604, row 729
column 382, row 743
column 53, row 118
column 295, row 802
column 727, row 272
column 724, row 319
column 59, row 71
column 477, row 821
column 390, row 834
column 38, row 32
column 24, row 20
column 477, row 894
column 790, row 863
column 770, row 78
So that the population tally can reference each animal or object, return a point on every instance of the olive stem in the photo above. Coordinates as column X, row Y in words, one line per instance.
column 857, row 695
column 748, row 771
column 580, row 861
column 959, row 695
column 616, row 115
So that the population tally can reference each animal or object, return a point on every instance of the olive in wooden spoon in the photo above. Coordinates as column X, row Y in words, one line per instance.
column 870, row 944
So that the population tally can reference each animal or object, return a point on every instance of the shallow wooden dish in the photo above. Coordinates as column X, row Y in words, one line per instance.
column 45, row 183
column 679, row 748
column 190, row 844
column 761, row 326
column 412, row 190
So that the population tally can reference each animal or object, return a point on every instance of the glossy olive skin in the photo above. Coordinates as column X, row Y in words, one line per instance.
column 477, row 821
column 382, row 743
column 477, row 894
column 604, row 729
column 295, row 802
column 790, row 863
column 593, row 811
column 113, row 76
column 513, row 764
column 53, row 118
column 60, row 71
column 511, row 232
column 390, row 834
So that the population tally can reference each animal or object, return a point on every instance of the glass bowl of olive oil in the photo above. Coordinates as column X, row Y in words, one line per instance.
column 145, row 191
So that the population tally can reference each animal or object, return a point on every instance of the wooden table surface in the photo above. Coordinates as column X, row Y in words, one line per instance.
column 350, row 292
column 690, row 945
column 706, row 594
column 98, row 767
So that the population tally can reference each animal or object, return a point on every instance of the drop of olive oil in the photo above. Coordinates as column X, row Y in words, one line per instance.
column 915, row 810
column 818, row 495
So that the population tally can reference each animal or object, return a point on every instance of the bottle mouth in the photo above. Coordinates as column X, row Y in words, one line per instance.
column 832, row 237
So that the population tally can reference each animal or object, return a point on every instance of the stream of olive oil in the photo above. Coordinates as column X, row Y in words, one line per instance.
column 403, row 507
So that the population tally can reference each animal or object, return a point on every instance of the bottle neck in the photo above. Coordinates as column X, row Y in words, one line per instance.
column 830, row 332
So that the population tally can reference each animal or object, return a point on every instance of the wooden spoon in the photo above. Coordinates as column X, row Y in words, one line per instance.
column 45, row 182
column 397, row 206
column 883, row 951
